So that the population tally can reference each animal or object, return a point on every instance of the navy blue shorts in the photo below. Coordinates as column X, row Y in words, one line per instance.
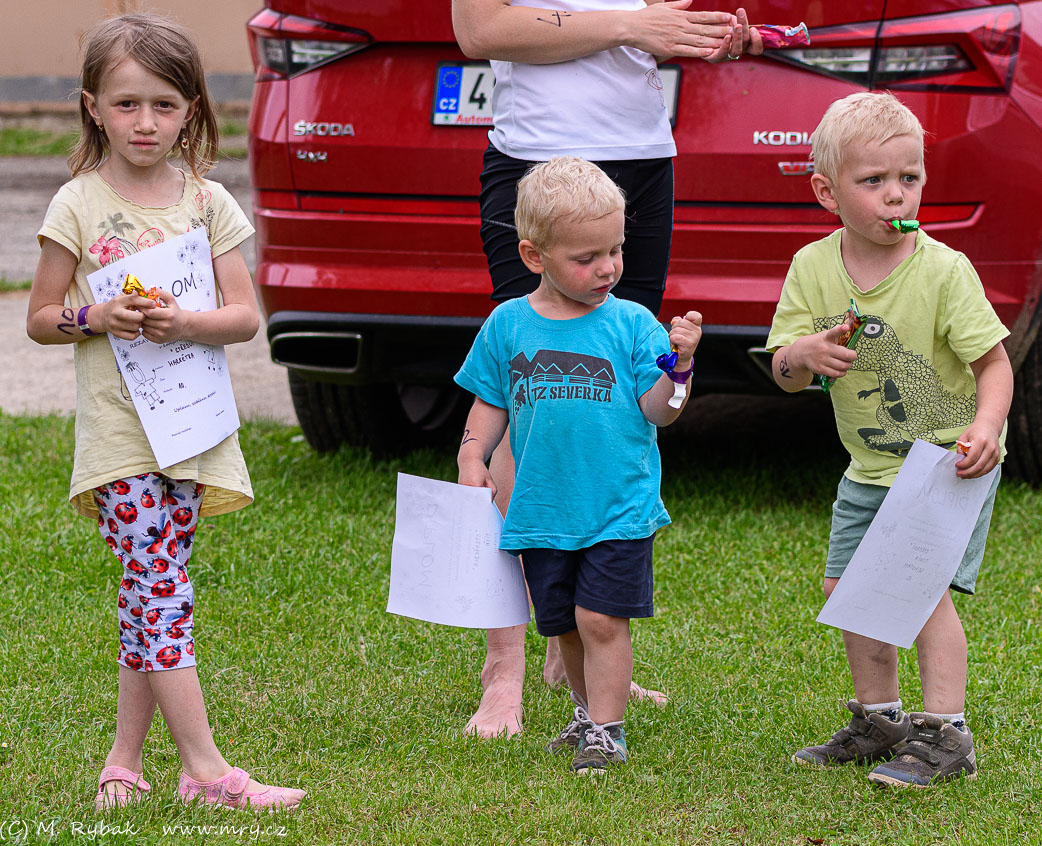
column 611, row 577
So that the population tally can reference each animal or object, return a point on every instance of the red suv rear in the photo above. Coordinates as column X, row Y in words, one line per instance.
column 367, row 130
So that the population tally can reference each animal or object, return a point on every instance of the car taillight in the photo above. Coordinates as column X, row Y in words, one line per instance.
column 974, row 49
column 287, row 45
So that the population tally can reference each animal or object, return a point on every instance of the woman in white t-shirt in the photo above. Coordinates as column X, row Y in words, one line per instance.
column 579, row 78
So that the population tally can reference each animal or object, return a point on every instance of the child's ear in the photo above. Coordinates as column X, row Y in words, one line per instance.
column 822, row 187
column 531, row 256
column 191, row 110
column 91, row 105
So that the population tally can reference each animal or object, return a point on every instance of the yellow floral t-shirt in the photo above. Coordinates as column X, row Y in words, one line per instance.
column 923, row 325
column 99, row 226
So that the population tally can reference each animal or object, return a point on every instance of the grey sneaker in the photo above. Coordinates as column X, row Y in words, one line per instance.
column 868, row 738
column 601, row 747
column 571, row 735
column 936, row 751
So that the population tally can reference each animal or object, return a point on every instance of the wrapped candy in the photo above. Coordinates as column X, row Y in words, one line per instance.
column 132, row 285
column 855, row 326
column 783, row 36
column 667, row 363
column 905, row 225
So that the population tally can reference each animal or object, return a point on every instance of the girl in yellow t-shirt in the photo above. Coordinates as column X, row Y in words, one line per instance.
column 144, row 97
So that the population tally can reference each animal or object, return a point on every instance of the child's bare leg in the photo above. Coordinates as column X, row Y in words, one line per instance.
column 608, row 663
column 941, row 646
column 573, row 659
column 135, row 706
column 180, row 700
column 873, row 664
column 502, row 678
column 873, row 667
column 554, row 674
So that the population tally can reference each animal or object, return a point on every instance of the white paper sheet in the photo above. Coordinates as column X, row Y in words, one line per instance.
column 911, row 551
column 181, row 390
column 446, row 564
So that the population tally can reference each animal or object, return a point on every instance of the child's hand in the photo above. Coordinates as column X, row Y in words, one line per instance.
column 474, row 473
column 122, row 316
column 824, row 353
column 166, row 323
column 983, row 453
column 684, row 334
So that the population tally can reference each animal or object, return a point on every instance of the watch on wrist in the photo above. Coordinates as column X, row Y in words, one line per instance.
column 81, row 321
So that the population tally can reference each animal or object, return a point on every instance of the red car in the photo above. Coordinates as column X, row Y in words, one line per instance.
column 366, row 135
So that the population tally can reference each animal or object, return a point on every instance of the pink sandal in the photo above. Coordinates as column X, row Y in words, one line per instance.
column 230, row 792
column 136, row 786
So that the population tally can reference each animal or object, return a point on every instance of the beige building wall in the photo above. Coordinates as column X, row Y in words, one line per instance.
column 41, row 38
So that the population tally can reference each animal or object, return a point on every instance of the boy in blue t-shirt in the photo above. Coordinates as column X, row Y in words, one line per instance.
column 927, row 363
column 572, row 371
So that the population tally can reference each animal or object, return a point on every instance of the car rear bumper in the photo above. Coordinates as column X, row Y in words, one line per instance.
column 428, row 350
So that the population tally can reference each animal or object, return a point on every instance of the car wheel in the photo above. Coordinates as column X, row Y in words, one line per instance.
column 1024, row 433
column 385, row 418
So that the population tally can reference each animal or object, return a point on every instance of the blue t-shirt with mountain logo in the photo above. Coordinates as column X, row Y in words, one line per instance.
column 586, row 458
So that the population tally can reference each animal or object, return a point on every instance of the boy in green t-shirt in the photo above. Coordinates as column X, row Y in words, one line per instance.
column 927, row 363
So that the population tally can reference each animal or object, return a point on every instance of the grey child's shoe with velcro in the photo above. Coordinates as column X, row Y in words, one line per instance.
column 936, row 751
column 867, row 738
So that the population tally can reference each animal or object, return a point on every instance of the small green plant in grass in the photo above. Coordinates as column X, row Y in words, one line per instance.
column 310, row 682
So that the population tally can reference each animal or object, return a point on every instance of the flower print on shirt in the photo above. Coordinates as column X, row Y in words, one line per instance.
column 107, row 249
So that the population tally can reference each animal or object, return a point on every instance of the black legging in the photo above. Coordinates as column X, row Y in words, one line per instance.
column 648, row 184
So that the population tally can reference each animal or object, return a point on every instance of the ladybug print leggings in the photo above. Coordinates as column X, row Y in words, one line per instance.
column 149, row 523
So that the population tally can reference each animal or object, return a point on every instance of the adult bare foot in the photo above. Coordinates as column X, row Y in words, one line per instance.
column 553, row 668
column 657, row 697
column 502, row 679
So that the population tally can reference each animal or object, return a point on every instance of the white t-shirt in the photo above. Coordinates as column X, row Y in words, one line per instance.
column 608, row 106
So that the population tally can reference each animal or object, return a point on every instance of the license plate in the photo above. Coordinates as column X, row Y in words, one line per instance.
column 463, row 94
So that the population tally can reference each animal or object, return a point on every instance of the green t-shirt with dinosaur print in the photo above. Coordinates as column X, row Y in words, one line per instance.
column 923, row 325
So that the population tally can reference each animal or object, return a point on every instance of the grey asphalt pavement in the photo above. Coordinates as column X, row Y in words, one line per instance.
column 36, row 379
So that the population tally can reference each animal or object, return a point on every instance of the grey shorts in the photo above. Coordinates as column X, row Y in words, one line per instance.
column 852, row 512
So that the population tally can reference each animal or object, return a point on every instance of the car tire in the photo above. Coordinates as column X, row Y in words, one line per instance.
column 1024, row 432
column 385, row 418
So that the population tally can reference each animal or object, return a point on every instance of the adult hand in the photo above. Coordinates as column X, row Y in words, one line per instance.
column 669, row 29
column 742, row 38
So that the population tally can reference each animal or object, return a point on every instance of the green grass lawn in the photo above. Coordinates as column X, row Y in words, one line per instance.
column 309, row 682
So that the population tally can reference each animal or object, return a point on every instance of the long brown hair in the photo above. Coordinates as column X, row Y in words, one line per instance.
column 164, row 48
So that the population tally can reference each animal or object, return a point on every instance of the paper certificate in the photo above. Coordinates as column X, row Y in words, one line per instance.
column 911, row 551
column 446, row 564
column 181, row 390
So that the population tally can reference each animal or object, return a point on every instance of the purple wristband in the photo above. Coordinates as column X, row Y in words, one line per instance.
column 81, row 321
column 681, row 376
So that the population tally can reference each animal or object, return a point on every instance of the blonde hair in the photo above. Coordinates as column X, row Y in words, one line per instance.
column 856, row 119
column 564, row 188
column 161, row 47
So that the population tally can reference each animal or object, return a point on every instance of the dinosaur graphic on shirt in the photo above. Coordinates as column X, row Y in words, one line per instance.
column 912, row 401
